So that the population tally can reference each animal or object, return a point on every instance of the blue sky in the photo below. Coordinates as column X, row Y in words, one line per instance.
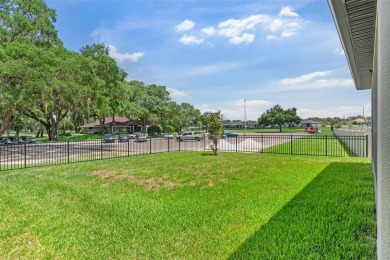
column 214, row 54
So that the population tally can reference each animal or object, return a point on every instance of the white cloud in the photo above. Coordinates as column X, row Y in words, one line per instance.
column 233, row 27
column 213, row 68
column 245, row 38
column 271, row 37
column 239, row 31
column 338, row 111
column 288, row 11
column 204, row 108
column 235, row 110
column 209, row 31
column 133, row 57
column 253, row 109
column 288, row 33
column 251, row 103
column 311, row 81
column 191, row 40
column 338, row 51
column 114, row 33
column 175, row 93
column 322, row 84
column 276, row 24
column 305, row 78
column 184, row 26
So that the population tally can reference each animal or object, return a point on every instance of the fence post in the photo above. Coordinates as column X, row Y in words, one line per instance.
column 168, row 144
column 366, row 145
column 101, row 150
column 236, row 144
column 25, row 155
column 204, row 142
column 291, row 144
column 179, row 144
column 150, row 141
column 326, row 145
column 68, row 148
column 128, row 147
column 262, row 143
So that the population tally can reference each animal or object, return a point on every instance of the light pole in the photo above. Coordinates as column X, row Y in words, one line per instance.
column 245, row 116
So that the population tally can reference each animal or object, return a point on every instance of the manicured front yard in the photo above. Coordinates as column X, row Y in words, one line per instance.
column 191, row 205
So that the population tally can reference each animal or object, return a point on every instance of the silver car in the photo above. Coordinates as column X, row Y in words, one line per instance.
column 141, row 138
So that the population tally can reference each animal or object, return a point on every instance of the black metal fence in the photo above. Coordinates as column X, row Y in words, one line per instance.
column 39, row 154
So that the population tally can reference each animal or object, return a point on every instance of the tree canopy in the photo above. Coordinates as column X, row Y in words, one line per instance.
column 276, row 115
column 43, row 81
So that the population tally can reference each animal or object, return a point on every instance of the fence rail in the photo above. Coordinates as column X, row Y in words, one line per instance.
column 39, row 154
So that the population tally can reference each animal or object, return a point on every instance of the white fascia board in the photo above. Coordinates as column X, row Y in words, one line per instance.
column 340, row 16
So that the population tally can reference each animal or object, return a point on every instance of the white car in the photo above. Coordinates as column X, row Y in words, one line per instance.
column 141, row 138
column 168, row 136
column 190, row 136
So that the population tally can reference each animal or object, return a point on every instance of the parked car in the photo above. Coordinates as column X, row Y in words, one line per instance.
column 230, row 135
column 28, row 139
column 311, row 130
column 190, row 136
column 123, row 138
column 134, row 135
column 168, row 136
column 141, row 138
column 7, row 140
column 108, row 138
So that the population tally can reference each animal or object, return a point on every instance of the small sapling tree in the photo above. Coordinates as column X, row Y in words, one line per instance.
column 215, row 130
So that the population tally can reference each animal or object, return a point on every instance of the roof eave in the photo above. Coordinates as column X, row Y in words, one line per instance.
column 340, row 15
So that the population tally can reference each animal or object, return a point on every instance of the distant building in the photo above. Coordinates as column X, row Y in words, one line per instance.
column 119, row 124
column 360, row 122
column 309, row 123
column 240, row 125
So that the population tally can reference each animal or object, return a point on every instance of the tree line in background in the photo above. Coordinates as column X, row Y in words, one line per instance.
column 276, row 115
column 43, row 85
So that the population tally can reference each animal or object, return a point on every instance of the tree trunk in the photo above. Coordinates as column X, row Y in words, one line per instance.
column 112, row 123
column 7, row 122
column 280, row 128
column 102, row 121
column 144, row 125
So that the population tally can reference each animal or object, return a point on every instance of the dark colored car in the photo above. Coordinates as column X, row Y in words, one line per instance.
column 108, row 138
column 7, row 140
column 123, row 138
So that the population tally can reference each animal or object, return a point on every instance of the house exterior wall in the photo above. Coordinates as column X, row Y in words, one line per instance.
column 381, row 125
column 310, row 124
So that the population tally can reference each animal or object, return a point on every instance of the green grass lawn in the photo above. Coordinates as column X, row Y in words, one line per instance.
column 312, row 145
column 324, row 130
column 189, row 205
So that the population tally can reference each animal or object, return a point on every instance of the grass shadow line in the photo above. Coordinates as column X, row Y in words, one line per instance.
column 331, row 218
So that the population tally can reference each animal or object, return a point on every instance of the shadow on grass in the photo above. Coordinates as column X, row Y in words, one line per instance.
column 331, row 218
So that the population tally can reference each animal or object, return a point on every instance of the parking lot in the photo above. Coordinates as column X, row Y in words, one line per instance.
column 26, row 155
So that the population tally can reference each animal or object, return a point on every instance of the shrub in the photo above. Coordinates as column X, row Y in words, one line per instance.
column 154, row 130
column 66, row 133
